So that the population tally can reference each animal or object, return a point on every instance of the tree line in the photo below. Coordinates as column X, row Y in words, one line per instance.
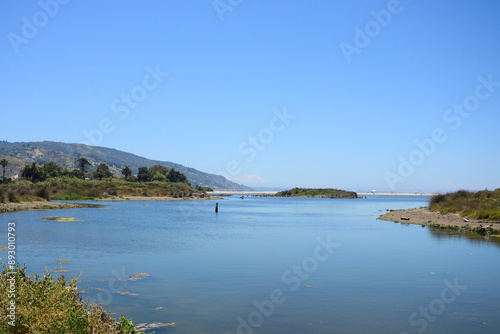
column 37, row 173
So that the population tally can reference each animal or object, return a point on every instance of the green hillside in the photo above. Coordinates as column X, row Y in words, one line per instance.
column 19, row 154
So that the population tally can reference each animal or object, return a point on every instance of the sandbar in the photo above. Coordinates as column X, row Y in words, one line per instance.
column 40, row 205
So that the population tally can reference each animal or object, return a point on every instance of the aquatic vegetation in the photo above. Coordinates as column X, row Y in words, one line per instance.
column 62, row 261
column 159, row 308
column 3, row 249
column 103, row 280
column 248, row 217
column 59, row 270
column 127, row 293
column 155, row 325
column 61, row 219
column 135, row 277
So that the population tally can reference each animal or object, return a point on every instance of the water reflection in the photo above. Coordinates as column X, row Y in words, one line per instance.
column 206, row 269
column 473, row 238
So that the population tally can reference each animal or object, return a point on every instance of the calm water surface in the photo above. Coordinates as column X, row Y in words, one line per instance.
column 271, row 265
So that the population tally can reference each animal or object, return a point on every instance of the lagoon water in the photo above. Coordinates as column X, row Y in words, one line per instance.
column 271, row 265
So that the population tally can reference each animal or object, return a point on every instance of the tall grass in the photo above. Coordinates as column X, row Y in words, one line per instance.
column 484, row 204
column 23, row 192
column 45, row 304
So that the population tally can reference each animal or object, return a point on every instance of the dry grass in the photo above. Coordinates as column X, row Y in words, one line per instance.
column 484, row 205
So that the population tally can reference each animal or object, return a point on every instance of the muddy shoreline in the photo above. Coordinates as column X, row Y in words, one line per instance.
column 41, row 205
column 423, row 216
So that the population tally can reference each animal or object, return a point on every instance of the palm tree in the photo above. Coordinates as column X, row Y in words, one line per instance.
column 127, row 172
column 4, row 164
column 82, row 163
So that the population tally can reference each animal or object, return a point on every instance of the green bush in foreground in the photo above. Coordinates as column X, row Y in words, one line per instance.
column 48, row 305
column 484, row 204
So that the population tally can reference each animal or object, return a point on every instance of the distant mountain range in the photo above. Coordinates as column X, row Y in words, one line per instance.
column 19, row 154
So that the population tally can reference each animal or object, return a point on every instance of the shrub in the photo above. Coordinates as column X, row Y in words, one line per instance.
column 438, row 198
column 24, row 183
column 483, row 204
column 43, row 193
column 23, row 191
column 52, row 182
column 132, row 178
column 13, row 196
column 461, row 194
column 7, row 180
column 126, row 326
column 45, row 304
column 70, row 197
column 93, row 193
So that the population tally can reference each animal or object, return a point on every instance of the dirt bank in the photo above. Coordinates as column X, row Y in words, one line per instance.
column 423, row 216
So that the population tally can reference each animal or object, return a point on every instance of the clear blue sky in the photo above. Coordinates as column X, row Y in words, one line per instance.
column 360, row 100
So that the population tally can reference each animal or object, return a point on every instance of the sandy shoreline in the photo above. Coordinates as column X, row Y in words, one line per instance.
column 228, row 192
column 40, row 205
column 153, row 198
column 274, row 192
column 396, row 194
column 423, row 216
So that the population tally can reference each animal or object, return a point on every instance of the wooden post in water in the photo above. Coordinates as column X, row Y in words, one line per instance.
column 216, row 207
